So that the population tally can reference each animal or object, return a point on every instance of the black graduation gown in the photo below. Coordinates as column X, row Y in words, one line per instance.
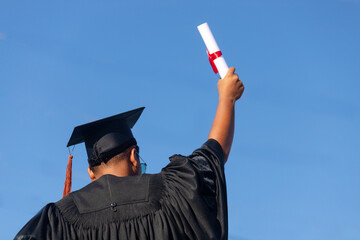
column 186, row 200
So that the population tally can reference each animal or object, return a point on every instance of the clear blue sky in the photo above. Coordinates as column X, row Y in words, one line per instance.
column 294, row 170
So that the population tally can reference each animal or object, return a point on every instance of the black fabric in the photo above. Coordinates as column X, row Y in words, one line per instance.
column 106, row 137
column 186, row 200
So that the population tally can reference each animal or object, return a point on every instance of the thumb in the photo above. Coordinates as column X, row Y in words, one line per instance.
column 230, row 72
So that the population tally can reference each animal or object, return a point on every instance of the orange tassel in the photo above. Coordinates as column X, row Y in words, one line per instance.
column 67, row 185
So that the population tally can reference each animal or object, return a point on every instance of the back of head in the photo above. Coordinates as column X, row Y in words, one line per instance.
column 123, row 164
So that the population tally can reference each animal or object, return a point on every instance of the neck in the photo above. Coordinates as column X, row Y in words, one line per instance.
column 121, row 169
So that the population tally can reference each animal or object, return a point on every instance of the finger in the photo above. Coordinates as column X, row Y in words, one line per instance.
column 230, row 71
column 242, row 88
column 235, row 76
column 239, row 83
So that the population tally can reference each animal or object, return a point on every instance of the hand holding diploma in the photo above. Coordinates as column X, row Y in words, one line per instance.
column 230, row 87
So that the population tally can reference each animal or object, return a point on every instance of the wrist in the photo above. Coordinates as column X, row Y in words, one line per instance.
column 227, row 100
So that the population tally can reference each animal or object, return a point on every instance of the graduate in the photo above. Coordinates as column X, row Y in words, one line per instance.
column 186, row 200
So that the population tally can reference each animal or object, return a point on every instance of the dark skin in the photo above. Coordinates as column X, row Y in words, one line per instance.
column 230, row 89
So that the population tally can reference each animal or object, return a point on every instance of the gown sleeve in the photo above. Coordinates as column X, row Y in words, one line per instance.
column 41, row 226
column 196, row 188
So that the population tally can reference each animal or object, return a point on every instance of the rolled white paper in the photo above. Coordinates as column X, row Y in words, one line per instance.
column 212, row 47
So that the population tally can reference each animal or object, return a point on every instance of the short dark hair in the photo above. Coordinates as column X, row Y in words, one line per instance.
column 119, row 157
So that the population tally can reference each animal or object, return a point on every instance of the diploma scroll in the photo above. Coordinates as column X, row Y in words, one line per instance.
column 215, row 55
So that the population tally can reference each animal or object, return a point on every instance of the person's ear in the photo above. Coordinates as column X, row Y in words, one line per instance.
column 134, row 161
column 91, row 174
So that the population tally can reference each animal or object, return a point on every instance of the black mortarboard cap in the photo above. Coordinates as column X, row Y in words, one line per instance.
column 106, row 137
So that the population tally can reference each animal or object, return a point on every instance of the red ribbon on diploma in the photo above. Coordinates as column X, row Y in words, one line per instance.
column 212, row 57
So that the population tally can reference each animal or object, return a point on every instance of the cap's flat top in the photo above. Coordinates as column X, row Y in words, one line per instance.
column 78, row 135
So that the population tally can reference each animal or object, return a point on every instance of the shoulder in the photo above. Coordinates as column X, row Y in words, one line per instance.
column 210, row 153
column 39, row 225
column 199, row 167
column 211, row 148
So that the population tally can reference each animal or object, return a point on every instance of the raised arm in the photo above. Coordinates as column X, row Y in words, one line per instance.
column 230, row 89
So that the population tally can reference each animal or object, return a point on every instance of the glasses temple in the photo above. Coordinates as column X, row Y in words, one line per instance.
column 141, row 158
